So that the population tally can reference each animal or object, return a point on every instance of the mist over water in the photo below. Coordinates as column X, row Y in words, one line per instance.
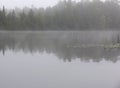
column 95, row 45
column 64, row 59
column 69, row 45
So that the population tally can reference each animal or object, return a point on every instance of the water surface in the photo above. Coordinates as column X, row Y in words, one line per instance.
column 59, row 60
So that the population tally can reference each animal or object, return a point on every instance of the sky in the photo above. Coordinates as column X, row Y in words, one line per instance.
column 10, row 4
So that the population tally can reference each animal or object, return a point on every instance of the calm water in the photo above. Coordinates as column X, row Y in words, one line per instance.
column 59, row 59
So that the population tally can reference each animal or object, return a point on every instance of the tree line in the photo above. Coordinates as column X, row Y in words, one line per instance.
column 65, row 15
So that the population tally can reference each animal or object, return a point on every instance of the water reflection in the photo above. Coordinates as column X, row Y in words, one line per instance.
column 65, row 45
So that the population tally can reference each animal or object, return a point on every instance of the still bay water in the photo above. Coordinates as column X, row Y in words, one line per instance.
column 59, row 59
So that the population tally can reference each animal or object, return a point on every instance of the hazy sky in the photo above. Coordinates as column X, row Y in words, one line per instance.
column 22, row 3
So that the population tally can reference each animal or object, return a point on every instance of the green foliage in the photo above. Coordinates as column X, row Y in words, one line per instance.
column 66, row 15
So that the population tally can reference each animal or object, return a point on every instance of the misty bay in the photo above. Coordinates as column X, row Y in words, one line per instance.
column 59, row 59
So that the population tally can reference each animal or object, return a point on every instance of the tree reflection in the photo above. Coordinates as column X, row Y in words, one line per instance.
column 65, row 45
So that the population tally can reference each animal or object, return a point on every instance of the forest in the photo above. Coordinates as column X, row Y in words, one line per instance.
column 65, row 15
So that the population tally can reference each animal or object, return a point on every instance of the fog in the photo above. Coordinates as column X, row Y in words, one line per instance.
column 59, row 44
column 85, row 45
column 65, row 15
column 25, row 3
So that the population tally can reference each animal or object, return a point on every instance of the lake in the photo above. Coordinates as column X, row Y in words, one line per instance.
column 60, row 59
